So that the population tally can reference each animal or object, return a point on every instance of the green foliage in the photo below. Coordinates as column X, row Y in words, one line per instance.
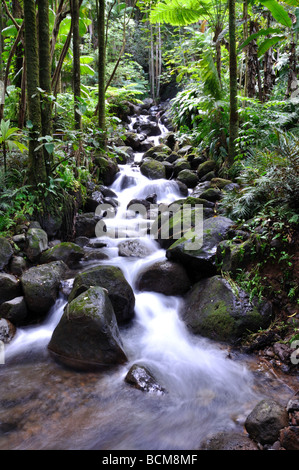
column 268, row 180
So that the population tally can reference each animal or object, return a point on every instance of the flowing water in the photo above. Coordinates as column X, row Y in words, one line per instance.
column 46, row 406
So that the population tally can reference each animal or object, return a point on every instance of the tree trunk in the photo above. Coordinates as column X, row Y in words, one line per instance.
column 45, row 73
column 76, row 63
column 292, row 76
column 218, row 30
column 101, row 70
column 269, row 75
column 233, row 118
column 36, row 164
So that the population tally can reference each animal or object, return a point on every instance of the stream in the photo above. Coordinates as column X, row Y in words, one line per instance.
column 209, row 388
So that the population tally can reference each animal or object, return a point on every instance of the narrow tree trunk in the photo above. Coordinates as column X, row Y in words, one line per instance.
column 245, row 34
column 36, row 163
column 45, row 73
column 22, row 102
column 292, row 76
column 269, row 75
column 76, row 63
column 218, row 30
column 233, row 118
column 101, row 70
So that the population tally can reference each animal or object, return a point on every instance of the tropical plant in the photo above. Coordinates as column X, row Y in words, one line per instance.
column 9, row 140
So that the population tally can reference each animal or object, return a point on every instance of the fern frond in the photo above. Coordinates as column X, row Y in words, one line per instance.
column 177, row 13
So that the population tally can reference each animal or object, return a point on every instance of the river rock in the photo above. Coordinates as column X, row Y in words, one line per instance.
column 134, row 248
column 37, row 242
column 217, row 310
column 7, row 331
column 85, row 224
column 152, row 169
column 14, row 310
column 9, row 287
column 179, row 165
column 165, row 277
column 108, row 169
column 68, row 252
column 41, row 286
column 289, row 438
column 112, row 279
column 142, row 378
column 93, row 201
column 17, row 265
column 266, row 420
column 205, row 168
column 229, row 441
column 87, row 336
column 188, row 177
column 6, row 252
column 197, row 251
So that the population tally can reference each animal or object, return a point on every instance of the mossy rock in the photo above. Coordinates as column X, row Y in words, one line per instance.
column 153, row 169
column 218, row 310
column 68, row 252
column 6, row 252
column 160, row 150
column 87, row 336
column 205, row 168
column 9, row 287
column 188, row 177
column 37, row 242
column 41, row 286
column 108, row 169
column 181, row 164
column 196, row 249
column 220, row 183
column 112, row 279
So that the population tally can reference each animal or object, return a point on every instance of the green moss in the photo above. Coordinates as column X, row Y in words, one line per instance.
column 218, row 323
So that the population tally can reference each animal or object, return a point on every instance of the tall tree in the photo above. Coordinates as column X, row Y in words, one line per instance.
column 101, row 69
column 75, row 7
column 233, row 87
column 36, row 162
column 45, row 73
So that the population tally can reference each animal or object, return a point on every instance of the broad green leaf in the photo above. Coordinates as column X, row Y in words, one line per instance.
column 262, row 32
column 50, row 147
column 292, row 3
column 265, row 46
column 86, row 69
column 10, row 31
column 86, row 59
column 16, row 144
column 278, row 12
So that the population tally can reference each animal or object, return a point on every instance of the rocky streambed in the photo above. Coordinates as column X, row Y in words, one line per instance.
column 130, row 341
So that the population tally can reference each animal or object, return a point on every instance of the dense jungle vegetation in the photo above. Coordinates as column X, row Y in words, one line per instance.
column 228, row 71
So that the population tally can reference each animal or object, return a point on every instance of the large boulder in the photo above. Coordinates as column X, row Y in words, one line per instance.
column 112, row 279
column 6, row 252
column 108, row 169
column 87, row 336
column 266, row 420
column 216, row 309
column 9, row 287
column 197, row 251
column 85, row 224
column 134, row 248
column 14, row 310
column 153, row 169
column 164, row 277
column 206, row 167
column 37, row 242
column 188, row 177
column 69, row 253
column 41, row 286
